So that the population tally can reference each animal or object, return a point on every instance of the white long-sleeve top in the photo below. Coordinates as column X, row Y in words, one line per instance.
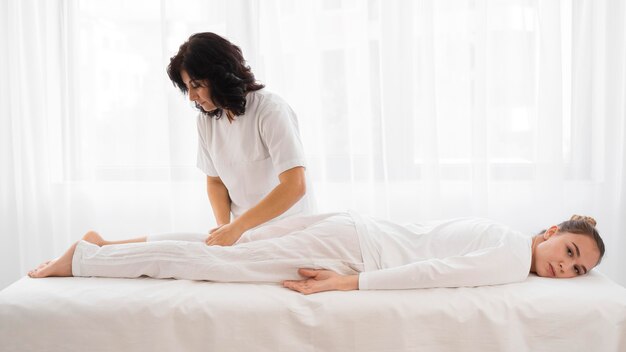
column 450, row 253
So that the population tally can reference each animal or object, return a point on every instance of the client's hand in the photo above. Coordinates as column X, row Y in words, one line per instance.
column 322, row 280
column 224, row 235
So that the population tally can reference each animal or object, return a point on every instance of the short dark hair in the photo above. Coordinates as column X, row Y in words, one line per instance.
column 207, row 56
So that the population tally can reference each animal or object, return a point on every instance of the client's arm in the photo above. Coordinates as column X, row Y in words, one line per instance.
column 322, row 280
column 488, row 266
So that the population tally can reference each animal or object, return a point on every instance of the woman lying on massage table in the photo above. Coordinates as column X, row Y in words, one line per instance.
column 346, row 251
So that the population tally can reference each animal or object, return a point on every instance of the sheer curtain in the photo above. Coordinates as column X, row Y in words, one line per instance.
column 409, row 110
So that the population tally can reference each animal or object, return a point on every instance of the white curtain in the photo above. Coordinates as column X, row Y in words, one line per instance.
column 409, row 110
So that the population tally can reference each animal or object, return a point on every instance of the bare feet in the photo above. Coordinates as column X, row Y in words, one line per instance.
column 58, row 267
column 43, row 264
column 95, row 238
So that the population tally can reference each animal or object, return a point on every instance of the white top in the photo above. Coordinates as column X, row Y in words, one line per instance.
column 249, row 153
column 451, row 253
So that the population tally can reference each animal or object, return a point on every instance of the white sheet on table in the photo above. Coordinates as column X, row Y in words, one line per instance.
column 97, row 314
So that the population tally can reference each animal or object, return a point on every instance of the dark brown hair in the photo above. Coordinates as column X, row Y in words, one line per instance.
column 211, row 58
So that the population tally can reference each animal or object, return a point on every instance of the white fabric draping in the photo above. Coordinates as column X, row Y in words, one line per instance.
column 409, row 110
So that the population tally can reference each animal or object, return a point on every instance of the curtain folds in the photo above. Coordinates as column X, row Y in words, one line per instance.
column 409, row 110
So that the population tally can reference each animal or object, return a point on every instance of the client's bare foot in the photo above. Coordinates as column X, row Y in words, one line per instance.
column 42, row 265
column 95, row 238
column 59, row 267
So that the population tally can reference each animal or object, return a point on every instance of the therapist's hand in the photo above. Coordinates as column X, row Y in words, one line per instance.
column 225, row 235
column 322, row 280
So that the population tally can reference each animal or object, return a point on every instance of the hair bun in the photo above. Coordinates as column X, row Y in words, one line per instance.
column 588, row 219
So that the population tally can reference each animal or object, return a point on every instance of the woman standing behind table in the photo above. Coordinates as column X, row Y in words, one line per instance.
column 249, row 143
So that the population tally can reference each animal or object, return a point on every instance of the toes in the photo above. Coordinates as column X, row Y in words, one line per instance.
column 38, row 274
column 34, row 272
column 42, row 270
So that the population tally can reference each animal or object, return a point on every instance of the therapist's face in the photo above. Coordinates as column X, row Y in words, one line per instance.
column 563, row 254
column 199, row 92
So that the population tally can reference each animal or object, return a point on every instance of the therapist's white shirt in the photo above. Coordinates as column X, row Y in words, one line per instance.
column 249, row 153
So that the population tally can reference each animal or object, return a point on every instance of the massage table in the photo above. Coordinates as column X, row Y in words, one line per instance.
column 586, row 313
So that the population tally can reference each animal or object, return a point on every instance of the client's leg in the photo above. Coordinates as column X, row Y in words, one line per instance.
column 330, row 244
column 273, row 229
column 283, row 227
column 95, row 238
column 61, row 266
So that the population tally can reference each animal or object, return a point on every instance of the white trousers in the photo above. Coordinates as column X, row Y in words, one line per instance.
column 271, row 253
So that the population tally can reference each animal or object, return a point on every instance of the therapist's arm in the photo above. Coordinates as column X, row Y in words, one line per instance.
column 290, row 190
column 219, row 198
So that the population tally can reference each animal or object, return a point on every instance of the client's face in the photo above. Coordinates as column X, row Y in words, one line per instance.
column 564, row 254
